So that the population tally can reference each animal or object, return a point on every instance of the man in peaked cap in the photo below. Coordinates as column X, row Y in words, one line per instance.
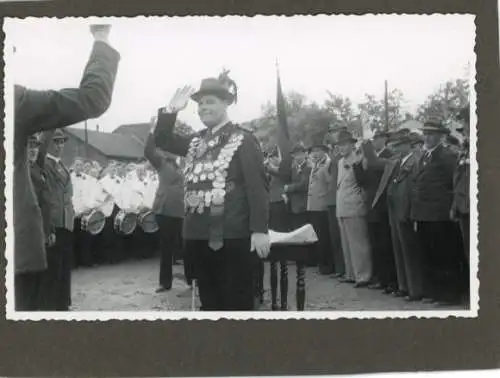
column 49, row 110
column 431, row 201
column 226, row 195
column 56, row 280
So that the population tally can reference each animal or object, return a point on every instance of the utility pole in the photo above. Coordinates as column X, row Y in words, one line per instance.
column 386, row 107
column 86, row 142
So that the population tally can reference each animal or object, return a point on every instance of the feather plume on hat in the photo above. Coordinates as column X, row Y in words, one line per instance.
column 228, row 83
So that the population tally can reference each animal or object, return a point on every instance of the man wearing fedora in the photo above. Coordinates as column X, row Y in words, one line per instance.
column 351, row 214
column 368, row 177
column 48, row 110
column 431, row 201
column 226, row 196
column 319, row 194
column 396, row 185
column 56, row 280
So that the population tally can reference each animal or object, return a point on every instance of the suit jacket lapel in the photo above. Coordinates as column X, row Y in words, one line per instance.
column 389, row 169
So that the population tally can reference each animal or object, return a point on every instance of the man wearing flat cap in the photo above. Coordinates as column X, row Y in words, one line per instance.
column 226, row 196
column 49, row 110
column 431, row 201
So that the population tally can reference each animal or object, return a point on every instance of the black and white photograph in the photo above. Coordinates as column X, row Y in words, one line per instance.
column 305, row 167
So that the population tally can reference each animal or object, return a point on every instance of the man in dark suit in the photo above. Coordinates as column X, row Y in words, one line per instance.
column 226, row 196
column 461, row 201
column 169, row 209
column 431, row 202
column 296, row 190
column 396, row 183
column 48, row 110
column 384, row 268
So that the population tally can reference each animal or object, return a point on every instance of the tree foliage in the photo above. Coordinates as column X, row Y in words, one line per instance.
column 446, row 100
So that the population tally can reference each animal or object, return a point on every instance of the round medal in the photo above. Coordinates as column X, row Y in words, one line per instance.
column 195, row 179
column 211, row 176
column 198, row 169
column 203, row 177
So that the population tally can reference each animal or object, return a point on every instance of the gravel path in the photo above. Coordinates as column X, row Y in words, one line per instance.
column 130, row 286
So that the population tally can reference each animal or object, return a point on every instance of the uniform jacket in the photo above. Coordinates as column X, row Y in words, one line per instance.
column 298, row 188
column 432, row 193
column 246, row 208
column 169, row 198
column 319, row 193
column 333, row 172
column 47, row 110
column 61, row 193
column 461, row 200
column 42, row 193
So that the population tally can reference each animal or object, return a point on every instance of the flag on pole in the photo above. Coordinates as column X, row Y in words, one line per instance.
column 281, row 109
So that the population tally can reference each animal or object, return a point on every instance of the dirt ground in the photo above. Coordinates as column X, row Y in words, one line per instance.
column 130, row 286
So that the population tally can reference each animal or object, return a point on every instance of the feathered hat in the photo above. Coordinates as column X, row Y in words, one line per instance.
column 223, row 87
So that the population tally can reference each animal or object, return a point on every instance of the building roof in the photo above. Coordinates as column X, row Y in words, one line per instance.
column 139, row 130
column 113, row 145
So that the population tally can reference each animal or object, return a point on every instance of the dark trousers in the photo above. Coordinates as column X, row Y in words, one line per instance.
column 464, row 222
column 225, row 277
column 338, row 256
column 444, row 264
column 55, row 283
column 279, row 217
column 26, row 286
column 384, row 266
column 324, row 253
column 170, row 246
column 108, row 242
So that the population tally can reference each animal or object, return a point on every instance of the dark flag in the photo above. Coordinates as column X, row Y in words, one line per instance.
column 283, row 132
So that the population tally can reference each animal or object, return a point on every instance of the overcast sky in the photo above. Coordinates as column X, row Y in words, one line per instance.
column 349, row 55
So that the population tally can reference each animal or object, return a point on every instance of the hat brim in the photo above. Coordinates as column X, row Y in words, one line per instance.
column 222, row 94
column 318, row 147
column 346, row 141
column 435, row 130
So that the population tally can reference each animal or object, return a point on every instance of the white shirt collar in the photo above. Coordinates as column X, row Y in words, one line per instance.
column 56, row 159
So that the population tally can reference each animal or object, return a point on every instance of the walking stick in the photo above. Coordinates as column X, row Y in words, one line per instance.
column 193, row 297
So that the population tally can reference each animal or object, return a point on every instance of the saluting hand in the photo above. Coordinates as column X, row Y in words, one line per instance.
column 261, row 244
column 180, row 99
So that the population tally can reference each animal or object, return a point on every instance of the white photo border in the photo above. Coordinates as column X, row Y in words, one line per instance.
column 12, row 314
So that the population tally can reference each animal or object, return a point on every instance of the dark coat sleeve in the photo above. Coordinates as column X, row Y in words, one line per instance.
column 256, row 187
column 166, row 139
column 151, row 153
column 47, row 110
column 300, row 185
